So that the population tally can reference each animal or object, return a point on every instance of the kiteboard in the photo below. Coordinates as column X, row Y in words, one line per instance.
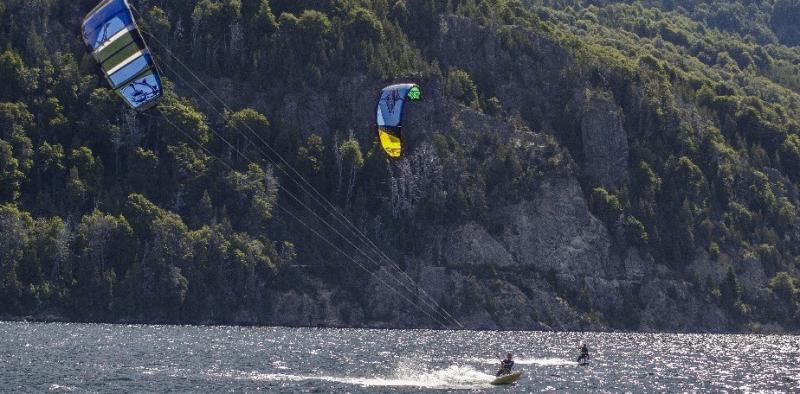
column 507, row 379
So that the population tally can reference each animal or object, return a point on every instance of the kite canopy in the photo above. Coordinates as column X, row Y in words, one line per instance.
column 390, row 115
column 116, row 44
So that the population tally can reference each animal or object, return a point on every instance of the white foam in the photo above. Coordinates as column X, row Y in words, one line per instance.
column 545, row 362
column 453, row 377
column 58, row 387
column 279, row 365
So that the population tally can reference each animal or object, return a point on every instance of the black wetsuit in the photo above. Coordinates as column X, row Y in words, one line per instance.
column 505, row 367
column 584, row 357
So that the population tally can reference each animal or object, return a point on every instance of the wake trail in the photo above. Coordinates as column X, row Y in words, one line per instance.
column 453, row 377
column 544, row 362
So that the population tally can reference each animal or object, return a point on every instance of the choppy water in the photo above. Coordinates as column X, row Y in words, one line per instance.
column 106, row 358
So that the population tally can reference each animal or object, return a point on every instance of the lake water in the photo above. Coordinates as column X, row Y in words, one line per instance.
column 113, row 358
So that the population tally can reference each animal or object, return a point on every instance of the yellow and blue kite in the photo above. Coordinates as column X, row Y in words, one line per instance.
column 390, row 115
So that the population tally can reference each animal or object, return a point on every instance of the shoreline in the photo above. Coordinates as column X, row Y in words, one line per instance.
column 54, row 319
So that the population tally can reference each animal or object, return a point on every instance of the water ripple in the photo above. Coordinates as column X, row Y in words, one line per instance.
column 101, row 358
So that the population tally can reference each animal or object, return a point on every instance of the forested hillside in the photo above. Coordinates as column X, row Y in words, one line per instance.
column 572, row 165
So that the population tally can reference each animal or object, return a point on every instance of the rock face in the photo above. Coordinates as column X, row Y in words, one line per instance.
column 523, row 78
column 556, row 232
column 605, row 144
column 553, row 234
column 471, row 244
column 532, row 275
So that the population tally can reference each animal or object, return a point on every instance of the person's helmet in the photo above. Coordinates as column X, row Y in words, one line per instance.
column 509, row 355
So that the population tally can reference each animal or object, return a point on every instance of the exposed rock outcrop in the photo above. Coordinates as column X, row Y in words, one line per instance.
column 556, row 232
column 471, row 244
column 605, row 144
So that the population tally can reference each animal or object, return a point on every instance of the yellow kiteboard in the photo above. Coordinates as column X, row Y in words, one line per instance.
column 507, row 379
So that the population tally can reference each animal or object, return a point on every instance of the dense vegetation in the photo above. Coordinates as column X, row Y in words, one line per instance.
column 713, row 133
column 106, row 215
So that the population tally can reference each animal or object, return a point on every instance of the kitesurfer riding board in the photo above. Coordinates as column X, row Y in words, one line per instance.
column 506, row 364
column 504, row 374
column 583, row 359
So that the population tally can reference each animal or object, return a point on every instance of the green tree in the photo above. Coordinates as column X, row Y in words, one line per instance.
column 88, row 167
column 142, row 167
column 14, row 115
column 254, row 197
column 10, row 175
column 785, row 290
column 213, row 32
column 15, row 240
column 606, row 205
column 311, row 159
column 349, row 160
column 244, row 128
column 187, row 119
column 16, row 78
column 104, row 247
column 730, row 289
column 459, row 86
column 364, row 25
column 790, row 156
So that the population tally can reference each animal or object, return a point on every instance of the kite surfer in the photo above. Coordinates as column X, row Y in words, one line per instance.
column 584, row 357
column 506, row 365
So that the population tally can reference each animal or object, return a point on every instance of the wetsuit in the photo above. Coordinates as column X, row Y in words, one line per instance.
column 505, row 367
column 584, row 357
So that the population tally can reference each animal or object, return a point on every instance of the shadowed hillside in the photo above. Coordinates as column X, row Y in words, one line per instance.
column 572, row 165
